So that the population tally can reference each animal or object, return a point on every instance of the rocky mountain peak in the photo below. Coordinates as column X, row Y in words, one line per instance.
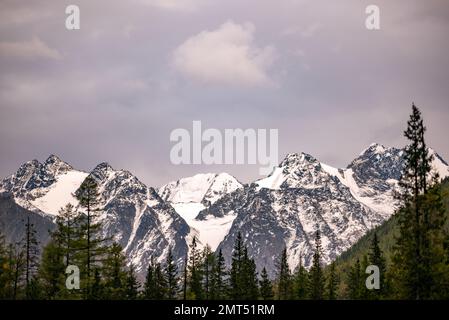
column 56, row 166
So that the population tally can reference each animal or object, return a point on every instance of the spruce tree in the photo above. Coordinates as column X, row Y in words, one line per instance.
column 208, row 265
column 67, row 234
column 52, row 271
column 149, row 287
column 236, row 286
column 301, row 282
column 171, row 273
column 284, row 279
column 195, row 272
column 266, row 287
column 376, row 258
column 418, row 254
column 332, row 283
column 218, row 281
column 160, row 283
column 16, row 265
column 91, row 244
column 114, row 273
column 31, row 250
column 355, row 281
column 316, row 276
column 155, row 286
column 131, row 285
column 248, row 278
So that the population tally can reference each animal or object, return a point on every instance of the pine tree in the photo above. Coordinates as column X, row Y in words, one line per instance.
column 98, row 290
column 67, row 234
column 218, row 281
column 195, row 272
column 114, row 273
column 355, row 281
column 316, row 276
column 171, row 272
column 31, row 250
column 16, row 265
column 332, row 283
column 236, row 286
column 208, row 264
column 155, row 282
column 132, row 285
column 365, row 293
column 92, row 245
column 185, row 276
column 419, row 253
column 160, row 283
column 376, row 258
column 266, row 287
column 301, row 282
column 248, row 278
column 284, row 278
column 52, row 271
column 149, row 287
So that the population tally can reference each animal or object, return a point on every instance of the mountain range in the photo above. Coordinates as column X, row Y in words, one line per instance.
column 284, row 209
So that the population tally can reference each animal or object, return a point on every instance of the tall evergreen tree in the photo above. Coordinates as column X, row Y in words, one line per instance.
column 98, row 289
column 355, row 282
column 195, row 272
column 16, row 265
column 171, row 273
column 185, row 277
column 248, row 278
column 132, row 285
column 418, row 254
column 284, row 278
column 301, row 282
column 114, row 273
column 150, row 286
column 155, row 282
column 332, row 283
column 93, row 245
column 208, row 265
column 160, row 283
column 266, row 287
column 316, row 276
column 31, row 250
column 236, row 286
column 67, row 234
column 377, row 258
column 218, row 281
column 52, row 271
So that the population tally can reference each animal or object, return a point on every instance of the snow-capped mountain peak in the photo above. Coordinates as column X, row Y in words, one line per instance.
column 200, row 188
column 189, row 196
column 55, row 165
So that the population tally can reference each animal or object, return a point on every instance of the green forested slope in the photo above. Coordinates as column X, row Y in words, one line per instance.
column 386, row 233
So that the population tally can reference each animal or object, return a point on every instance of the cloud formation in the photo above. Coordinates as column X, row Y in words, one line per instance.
column 178, row 5
column 30, row 49
column 227, row 55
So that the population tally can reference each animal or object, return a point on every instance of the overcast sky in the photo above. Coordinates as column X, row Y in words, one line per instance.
column 115, row 89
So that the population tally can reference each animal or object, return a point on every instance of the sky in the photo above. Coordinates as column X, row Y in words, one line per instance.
column 136, row 70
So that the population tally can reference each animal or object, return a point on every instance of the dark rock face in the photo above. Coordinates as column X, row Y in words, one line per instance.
column 13, row 219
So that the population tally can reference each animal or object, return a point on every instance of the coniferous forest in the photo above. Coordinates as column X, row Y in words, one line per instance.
column 410, row 251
